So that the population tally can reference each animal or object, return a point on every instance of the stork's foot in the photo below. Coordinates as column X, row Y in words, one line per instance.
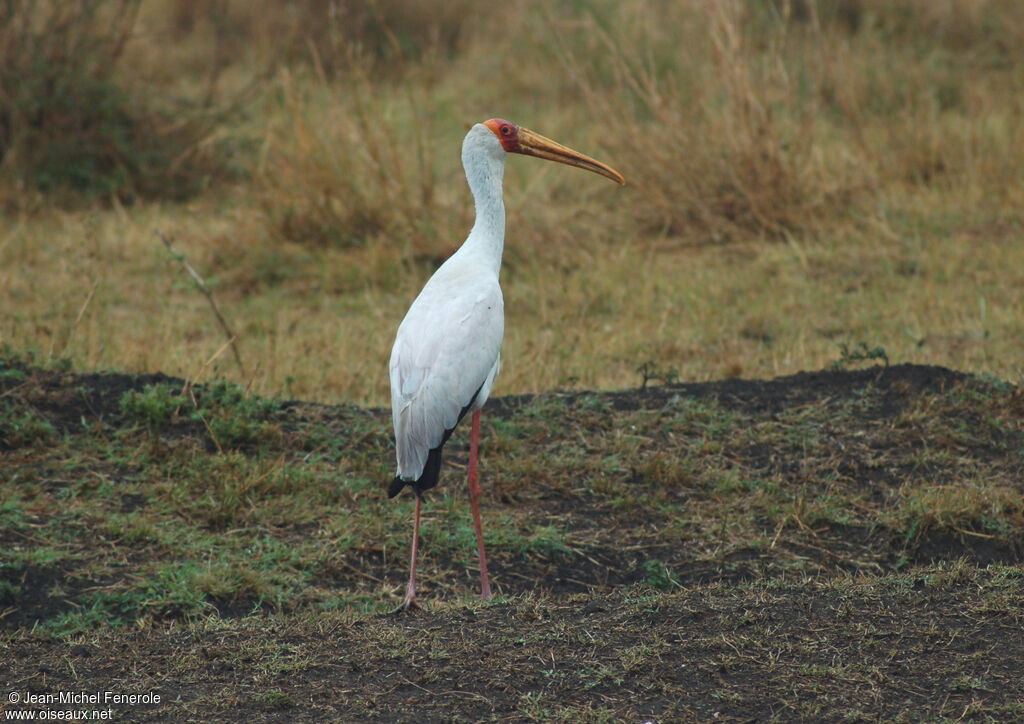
column 409, row 605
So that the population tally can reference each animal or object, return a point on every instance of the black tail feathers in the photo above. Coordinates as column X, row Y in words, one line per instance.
column 427, row 479
column 396, row 486
column 432, row 468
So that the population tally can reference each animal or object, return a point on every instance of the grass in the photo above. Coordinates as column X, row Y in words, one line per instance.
column 627, row 662
column 143, row 503
column 821, row 185
column 800, row 185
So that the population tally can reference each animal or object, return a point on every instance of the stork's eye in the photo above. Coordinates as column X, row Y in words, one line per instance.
column 505, row 130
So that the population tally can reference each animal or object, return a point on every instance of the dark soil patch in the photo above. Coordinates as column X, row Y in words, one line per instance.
column 894, row 384
column 936, row 646
column 35, row 592
column 835, row 544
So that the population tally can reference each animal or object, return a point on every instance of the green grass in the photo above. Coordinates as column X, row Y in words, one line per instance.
column 174, row 502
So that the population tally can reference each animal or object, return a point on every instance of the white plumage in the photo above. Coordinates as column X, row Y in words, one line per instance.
column 450, row 368
column 447, row 349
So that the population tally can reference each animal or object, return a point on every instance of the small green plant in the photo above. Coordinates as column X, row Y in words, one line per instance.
column 10, row 374
column 859, row 353
column 9, row 593
column 659, row 575
column 230, row 415
column 276, row 700
column 651, row 371
column 82, row 620
column 153, row 406
column 234, row 417
column 21, row 428
column 969, row 683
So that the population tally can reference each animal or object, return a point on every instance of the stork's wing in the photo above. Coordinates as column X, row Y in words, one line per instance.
column 446, row 350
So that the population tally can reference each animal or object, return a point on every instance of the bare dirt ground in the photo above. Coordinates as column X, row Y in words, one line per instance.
column 836, row 545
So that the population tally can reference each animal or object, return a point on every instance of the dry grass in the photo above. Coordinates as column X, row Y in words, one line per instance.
column 346, row 169
column 802, row 174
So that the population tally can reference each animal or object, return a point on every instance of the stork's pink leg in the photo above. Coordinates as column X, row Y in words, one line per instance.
column 474, row 504
column 409, row 604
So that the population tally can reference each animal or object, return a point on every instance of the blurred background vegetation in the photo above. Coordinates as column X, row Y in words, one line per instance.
column 803, row 174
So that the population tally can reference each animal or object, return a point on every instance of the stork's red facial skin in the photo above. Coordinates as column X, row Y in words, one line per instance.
column 507, row 132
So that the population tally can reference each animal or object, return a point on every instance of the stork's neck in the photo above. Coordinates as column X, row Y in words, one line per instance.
column 484, row 172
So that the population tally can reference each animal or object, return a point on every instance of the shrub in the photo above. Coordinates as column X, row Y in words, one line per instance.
column 69, row 123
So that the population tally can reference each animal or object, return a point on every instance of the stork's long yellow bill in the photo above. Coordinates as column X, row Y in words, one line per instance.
column 516, row 139
column 534, row 144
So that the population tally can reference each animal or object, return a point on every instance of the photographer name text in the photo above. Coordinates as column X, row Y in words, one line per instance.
column 83, row 697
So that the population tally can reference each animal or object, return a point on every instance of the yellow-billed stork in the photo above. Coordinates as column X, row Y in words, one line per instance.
column 447, row 350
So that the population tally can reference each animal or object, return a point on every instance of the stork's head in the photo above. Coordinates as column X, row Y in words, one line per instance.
column 515, row 139
column 507, row 132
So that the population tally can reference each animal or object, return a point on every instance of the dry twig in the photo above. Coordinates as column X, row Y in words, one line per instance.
column 209, row 297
